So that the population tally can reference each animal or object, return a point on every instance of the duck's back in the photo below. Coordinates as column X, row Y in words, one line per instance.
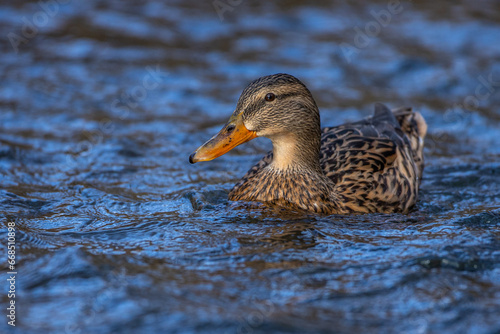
column 377, row 163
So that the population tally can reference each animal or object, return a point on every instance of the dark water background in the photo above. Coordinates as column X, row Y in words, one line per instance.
column 103, row 101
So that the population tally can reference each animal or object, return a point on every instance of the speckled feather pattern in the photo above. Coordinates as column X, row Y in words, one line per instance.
column 374, row 165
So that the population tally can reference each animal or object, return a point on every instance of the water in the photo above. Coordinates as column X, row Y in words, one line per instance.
column 117, row 232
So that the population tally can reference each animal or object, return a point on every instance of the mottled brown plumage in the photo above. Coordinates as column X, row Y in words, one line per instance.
column 374, row 165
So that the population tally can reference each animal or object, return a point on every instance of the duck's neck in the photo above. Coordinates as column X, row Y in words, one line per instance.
column 297, row 152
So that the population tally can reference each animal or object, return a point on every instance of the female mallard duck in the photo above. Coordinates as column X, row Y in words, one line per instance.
column 373, row 165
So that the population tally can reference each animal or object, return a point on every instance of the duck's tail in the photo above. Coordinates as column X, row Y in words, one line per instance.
column 414, row 126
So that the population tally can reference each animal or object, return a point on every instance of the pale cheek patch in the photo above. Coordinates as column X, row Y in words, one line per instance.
column 250, row 126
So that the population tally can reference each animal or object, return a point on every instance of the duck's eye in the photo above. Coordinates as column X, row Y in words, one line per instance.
column 230, row 128
column 270, row 97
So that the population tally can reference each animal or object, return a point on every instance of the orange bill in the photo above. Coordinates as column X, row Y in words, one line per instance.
column 232, row 134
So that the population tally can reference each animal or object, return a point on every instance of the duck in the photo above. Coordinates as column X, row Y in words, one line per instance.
column 374, row 165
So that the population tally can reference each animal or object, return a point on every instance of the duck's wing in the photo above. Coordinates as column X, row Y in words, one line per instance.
column 378, row 136
column 378, row 158
column 369, row 144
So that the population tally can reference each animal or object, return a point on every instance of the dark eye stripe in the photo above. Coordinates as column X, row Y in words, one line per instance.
column 283, row 96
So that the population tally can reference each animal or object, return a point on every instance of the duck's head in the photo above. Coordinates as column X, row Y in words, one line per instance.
column 279, row 107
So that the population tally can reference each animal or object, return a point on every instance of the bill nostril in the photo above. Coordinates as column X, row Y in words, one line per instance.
column 230, row 128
